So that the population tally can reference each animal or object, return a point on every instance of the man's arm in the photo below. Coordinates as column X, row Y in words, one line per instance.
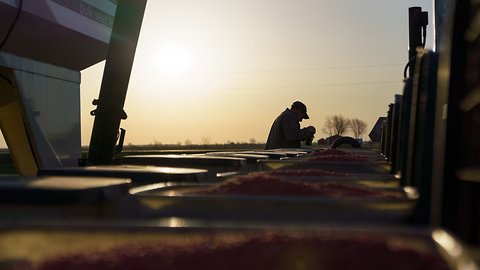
column 292, row 131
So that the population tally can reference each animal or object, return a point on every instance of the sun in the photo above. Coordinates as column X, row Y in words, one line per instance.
column 172, row 61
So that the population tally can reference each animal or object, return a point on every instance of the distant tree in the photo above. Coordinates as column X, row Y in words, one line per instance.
column 253, row 141
column 336, row 125
column 358, row 127
column 205, row 140
column 156, row 144
column 188, row 142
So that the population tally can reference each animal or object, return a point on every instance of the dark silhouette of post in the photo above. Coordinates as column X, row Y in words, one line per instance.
column 116, row 75
column 417, row 29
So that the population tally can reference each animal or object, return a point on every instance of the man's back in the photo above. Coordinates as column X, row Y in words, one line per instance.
column 283, row 132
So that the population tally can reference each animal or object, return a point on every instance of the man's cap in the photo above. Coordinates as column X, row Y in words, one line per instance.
column 299, row 105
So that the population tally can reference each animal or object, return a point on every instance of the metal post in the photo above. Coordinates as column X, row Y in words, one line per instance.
column 394, row 133
column 388, row 133
column 118, row 66
column 404, row 130
column 416, row 21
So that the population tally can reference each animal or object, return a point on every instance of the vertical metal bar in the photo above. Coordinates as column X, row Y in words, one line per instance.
column 394, row 135
column 404, row 129
column 388, row 134
column 118, row 66
column 422, row 166
column 383, row 139
column 414, row 36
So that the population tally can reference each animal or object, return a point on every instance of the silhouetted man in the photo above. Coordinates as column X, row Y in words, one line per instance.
column 285, row 131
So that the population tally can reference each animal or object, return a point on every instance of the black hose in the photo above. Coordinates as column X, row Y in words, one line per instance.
column 10, row 30
column 407, row 66
column 412, row 60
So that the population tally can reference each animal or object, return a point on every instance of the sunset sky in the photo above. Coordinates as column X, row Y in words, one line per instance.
column 220, row 71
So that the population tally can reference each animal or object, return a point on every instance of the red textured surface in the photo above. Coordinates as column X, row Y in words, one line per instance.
column 262, row 185
column 271, row 252
column 330, row 152
column 338, row 158
column 305, row 172
column 335, row 155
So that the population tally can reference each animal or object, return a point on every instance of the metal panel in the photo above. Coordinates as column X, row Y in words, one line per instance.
column 69, row 33
column 50, row 97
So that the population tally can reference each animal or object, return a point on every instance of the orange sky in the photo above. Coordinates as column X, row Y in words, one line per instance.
column 219, row 71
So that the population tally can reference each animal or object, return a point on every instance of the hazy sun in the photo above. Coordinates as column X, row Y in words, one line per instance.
column 172, row 60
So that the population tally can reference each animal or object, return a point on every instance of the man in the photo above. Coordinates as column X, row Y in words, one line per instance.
column 285, row 131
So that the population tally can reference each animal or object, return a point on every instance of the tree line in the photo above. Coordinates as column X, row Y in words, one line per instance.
column 340, row 125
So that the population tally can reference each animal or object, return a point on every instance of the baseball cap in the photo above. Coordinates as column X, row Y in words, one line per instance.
column 299, row 105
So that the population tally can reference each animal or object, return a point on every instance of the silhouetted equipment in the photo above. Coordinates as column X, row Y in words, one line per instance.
column 118, row 66
column 418, row 171
column 375, row 134
column 345, row 140
column 411, row 145
column 457, row 128
column 396, row 113
column 383, row 140
column 65, row 190
column 439, row 125
column 417, row 22
column 44, row 45
column 139, row 175
column 399, row 112
column 387, row 139
column 404, row 129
